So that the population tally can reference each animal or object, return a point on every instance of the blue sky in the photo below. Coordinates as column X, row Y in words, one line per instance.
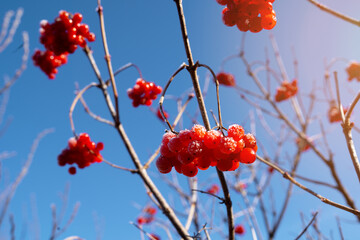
column 147, row 33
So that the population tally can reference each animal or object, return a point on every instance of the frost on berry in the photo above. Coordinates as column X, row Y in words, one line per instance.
column 212, row 139
column 197, row 148
column 81, row 151
column 198, row 132
column 227, row 145
column 236, row 132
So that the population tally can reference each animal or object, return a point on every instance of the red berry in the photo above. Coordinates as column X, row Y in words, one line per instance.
column 227, row 145
column 226, row 79
column 239, row 229
column 189, row 170
column 164, row 164
column 72, row 170
column 247, row 156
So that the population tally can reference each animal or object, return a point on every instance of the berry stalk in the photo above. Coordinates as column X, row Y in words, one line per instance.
column 192, row 68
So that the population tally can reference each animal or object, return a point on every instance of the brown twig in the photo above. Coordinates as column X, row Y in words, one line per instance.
column 192, row 69
column 323, row 199
column 73, row 104
column 334, row 13
column 108, row 61
column 307, row 226
column 347, row 125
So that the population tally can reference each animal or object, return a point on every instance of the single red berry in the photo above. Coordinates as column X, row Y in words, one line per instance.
column 239, row 229
column 163, row 164
column 189, row 170
column 72, row 170
column 226, row 79
column 247, row 156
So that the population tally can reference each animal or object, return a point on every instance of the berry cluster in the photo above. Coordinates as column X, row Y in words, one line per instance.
column 353, row 71
column 226, row 79
column 214, row 189
column 302, row 144
column 334, row 114
column 81, row 151
column 253, row 15
column 197, row 148
column 286, row 90
column 148, row 216
column 143, row 92
column 60, row 38
column 48, row 62
column 239, row 229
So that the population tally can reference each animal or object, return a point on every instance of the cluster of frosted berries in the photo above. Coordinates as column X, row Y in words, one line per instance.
column 197, row 148
column 147, row 216
column 226, row 79
column 60, row 38
column 334, row 114
column 249, row 15
column 81, row 151
column 353, row 71
column 286, row 90
column 143, row 92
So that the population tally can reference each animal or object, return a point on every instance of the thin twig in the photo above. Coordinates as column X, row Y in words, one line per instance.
column 347, row 125
column 334, row 13
column 306, row 228
column 13, row 29
column 108, row 60
column 23, row 172
column 22, row 68
column 323, row 199
column 73, row 105
column 339, row 227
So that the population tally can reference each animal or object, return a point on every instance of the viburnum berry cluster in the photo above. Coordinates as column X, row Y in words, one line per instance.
column 143, row 92
column 226, row 79
column 197, row 148
column 302, row 144
column 249, row 15
column 334, row 114
column 286, row 90
column 60, row 38
column 148, row 216
column 81, row 151
column 353, row 71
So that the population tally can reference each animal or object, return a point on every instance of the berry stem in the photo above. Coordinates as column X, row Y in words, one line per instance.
column 347, row 126
column 192, row 69
column 108, row 60
column 334, row 13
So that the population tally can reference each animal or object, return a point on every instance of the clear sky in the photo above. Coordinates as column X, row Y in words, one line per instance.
column 147, row 33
